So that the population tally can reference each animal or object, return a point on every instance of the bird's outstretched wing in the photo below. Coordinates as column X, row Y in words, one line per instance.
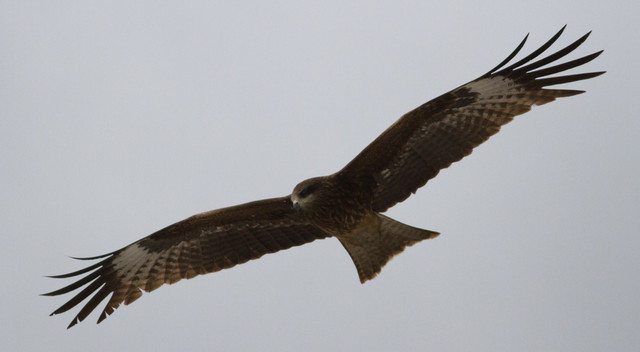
column 201, row 244
column 446, row 129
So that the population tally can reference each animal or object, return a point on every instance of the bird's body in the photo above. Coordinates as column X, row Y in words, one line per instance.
column 342, row 206
column 347, row 205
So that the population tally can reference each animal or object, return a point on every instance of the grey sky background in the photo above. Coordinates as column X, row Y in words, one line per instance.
column 119, row 119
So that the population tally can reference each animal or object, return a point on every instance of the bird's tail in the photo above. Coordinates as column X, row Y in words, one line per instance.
column 370, row 251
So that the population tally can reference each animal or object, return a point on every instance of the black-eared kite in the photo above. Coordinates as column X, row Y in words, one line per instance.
column 348, row 204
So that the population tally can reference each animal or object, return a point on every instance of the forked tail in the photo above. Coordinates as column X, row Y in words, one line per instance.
column 371, row 251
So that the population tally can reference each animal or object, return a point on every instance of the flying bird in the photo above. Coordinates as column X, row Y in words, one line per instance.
column 348, row 204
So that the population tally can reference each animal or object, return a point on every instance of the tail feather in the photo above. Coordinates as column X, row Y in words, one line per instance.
column 370, row 251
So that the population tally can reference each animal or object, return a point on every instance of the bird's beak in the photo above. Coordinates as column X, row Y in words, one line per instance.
column 296, row 206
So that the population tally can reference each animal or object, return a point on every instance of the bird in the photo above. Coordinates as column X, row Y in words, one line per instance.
column 348, row 204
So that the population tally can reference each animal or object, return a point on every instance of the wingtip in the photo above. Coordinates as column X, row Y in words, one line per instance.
column 53, row 276
column 582, row 39
column 564, row 93
column 92, row 258
column 73, row 323
column 102, row 317
column 559, row 33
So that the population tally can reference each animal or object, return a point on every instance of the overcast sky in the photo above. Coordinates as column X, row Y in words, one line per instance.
column 117, row 120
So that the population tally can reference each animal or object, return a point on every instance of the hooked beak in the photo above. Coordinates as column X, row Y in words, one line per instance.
column 294, row 202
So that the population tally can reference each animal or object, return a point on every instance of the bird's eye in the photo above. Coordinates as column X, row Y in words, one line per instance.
column 307, row 191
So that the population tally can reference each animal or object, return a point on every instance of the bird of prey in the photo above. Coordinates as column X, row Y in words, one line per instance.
column 348, row 204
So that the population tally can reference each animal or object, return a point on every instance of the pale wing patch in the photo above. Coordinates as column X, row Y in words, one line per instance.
column 487, row 86
column 499, row 95
column 125, row 261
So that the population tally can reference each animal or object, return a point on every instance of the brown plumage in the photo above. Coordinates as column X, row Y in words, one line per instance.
column 345, row 205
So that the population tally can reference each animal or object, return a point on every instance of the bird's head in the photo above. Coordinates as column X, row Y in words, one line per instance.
column 306, row 191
